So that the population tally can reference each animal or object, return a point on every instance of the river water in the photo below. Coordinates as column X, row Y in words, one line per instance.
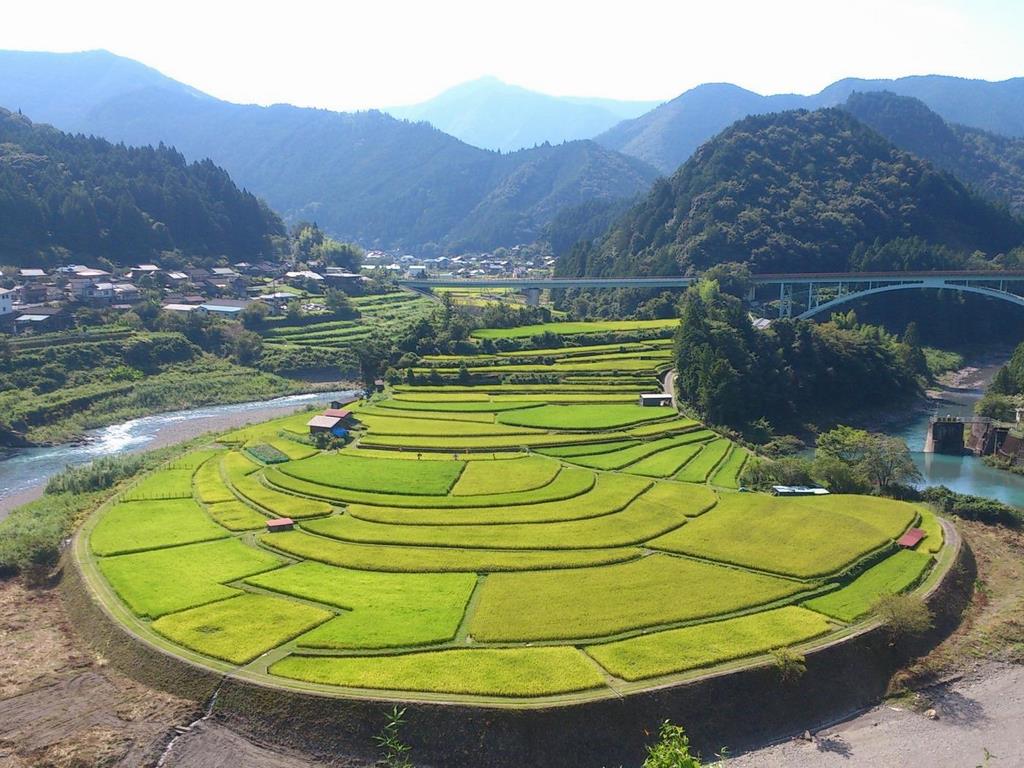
column 965, row 474
column 24, row 471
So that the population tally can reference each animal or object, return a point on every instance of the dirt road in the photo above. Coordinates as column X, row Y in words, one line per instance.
column 977, row 719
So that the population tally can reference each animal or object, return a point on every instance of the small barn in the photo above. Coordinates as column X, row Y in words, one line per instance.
column 321, row 423
column 655, row 399
column 911, row 538
column 280, row 524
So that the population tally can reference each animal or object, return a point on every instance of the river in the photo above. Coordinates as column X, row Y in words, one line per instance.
column 966, row 474
column 25, row 471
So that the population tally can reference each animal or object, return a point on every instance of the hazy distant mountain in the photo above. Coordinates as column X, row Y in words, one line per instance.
column 800, row 191
column 992, row 164
column 491, row 114
column 362, row 176
column 61, row 88
column 668, row 135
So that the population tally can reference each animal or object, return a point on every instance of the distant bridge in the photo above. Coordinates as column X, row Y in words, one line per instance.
column 806, row 294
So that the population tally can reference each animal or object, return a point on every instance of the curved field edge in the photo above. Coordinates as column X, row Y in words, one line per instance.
column 100, row 594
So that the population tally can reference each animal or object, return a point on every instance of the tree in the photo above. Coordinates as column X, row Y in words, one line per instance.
column 339, row 304
column 254, row 315
column 887, row 462
column 294, row 310
column 882, row 460
column 846, row 444
column 247, row 348
column 998, row 407
column 348, row 256
column 911, row 353
column 1002, row 383
column 838, row 476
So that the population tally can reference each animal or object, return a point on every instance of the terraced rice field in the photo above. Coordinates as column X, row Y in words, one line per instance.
column 496, row 540
column 385, row 314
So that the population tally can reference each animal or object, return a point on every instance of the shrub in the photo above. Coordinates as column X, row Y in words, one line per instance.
column 672, row 749
column 789, row 665
column 395, row 752
column 972, row 507
column 98, row 475
column 904, row 615
column 32, row 535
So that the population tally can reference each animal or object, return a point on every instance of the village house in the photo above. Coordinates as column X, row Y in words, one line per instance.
column 223, row 307
column 141, row 270
column 6, row 301
column 41, row 320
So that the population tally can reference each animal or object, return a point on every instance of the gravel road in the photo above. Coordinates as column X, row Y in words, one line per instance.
column 976, row 717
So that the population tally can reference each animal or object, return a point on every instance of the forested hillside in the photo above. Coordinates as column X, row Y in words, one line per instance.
column 363, row 177
column 94, row 198
column 991, row 164
column 801, row 191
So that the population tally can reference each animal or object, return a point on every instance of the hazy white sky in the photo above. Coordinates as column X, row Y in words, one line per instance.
column 354, row 55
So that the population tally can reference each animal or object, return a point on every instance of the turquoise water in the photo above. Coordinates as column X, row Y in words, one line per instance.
column 964, row 474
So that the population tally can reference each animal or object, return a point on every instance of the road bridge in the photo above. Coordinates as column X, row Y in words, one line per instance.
column 803, row 295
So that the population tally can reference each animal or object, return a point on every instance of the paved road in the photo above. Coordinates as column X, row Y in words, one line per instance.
column 984, row 713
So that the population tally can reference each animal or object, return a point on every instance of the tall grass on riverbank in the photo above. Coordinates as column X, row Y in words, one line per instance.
column 32, row 536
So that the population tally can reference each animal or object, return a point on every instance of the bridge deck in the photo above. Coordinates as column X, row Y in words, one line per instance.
column 676, row 281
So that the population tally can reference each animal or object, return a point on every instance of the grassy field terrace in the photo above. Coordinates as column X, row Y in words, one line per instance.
column 384, row 314
column 493, row 541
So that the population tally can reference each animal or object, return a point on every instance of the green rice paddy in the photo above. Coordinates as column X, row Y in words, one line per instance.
column 493, row 539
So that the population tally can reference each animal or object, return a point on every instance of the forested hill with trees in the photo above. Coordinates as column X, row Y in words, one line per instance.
column 364, row 177
column 794, row 374
column 88, row 197
column 991, row 164
column 801, row 192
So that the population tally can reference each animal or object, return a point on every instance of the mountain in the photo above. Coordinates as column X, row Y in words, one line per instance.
column 800, row 191
column 93, row 198
column 490, row 114
column 61, row 88
column 364, row 176
column 668, row 135
column 991, row 164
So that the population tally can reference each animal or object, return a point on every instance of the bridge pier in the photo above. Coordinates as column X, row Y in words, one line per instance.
column 533, row 297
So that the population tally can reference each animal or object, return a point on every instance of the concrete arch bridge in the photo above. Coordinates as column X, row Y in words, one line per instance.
column 802, row 295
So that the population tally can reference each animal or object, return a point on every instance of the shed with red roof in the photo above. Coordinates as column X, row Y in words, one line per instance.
column 911, row 538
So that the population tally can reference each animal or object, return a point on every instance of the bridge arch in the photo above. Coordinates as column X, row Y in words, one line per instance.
column 993, row 293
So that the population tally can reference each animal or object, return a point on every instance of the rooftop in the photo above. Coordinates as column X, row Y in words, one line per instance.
column 323, row 422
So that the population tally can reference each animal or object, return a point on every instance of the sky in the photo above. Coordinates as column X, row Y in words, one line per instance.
column 347, row 55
